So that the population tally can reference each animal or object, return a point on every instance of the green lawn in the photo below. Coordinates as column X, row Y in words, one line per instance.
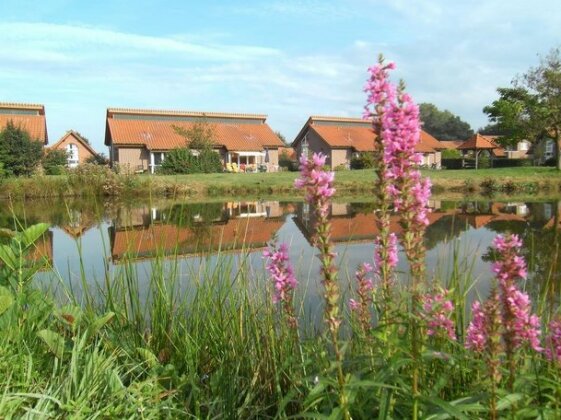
column 522, row 180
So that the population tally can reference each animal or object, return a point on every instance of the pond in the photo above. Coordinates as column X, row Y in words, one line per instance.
column 89, row 243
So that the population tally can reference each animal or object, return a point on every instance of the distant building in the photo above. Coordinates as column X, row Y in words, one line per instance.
column 341, row 139
column 29, row 117
column 140, row 139
column 78, row 150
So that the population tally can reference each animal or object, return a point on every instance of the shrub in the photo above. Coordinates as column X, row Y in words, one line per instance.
column 489, row 185
column 364, row 160
column 19, row 153
column 54, row 161
column 97, row 159
column 184, row 161
column 451, row 154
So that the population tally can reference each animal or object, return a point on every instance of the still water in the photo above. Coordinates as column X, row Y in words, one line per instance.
column 93, row 241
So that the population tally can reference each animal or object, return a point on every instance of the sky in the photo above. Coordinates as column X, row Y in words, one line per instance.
column 287, row 59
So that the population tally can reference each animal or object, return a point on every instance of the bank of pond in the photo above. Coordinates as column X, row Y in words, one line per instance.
column 99, row 181
column 162, row 308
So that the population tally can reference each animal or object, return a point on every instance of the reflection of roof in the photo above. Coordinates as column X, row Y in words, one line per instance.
column 357, row 134
column 42, row 249
column 29, row 117
column 495, row 214
column 170, row 239
column 156, row 129
column 361, row 227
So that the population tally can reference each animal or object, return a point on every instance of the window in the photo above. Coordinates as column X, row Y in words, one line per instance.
column 549, row 148
column 305, row 147
column 523, row 145
column 72, row 151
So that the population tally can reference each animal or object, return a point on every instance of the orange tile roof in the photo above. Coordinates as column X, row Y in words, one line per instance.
column 77, row 137
column 362, row 138
column 289, row 151
column 451, row 144
column 477, row 141
column 35, row 125
column 161, row 135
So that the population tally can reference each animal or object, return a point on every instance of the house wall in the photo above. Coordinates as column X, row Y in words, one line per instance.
column 340, row 157
column 83, row 152
column 315, row 145
column 134, row 158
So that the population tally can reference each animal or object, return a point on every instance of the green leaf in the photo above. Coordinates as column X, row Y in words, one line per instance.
column 508, row 400
column 446, row 407
column 70, row 316
column 6, row 300
column 54, row 342
column 8, row 256
column 98, row 323
column 148, row 357
column 30, row 235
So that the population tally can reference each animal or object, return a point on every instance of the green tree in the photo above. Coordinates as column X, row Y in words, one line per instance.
column 98, row 159
column 531, row 108
column 443, row 125
column 198, row 155
column 282, row 138
column 54, row 161
column 19, row 154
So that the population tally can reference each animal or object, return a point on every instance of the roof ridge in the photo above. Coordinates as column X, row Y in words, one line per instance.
column 23, row 105
column 179, row 113
column 336, row 119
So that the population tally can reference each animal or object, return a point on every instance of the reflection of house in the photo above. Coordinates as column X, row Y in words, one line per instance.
column 349, row 226
column 29, row 117
column 140, row 139
column 145, row 232
column 42, row 250
column 163, row 239
column 76, row 148
column 343, row 138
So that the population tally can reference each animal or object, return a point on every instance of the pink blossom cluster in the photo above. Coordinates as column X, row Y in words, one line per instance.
column 519, row 325
column 518, row 319
column 317, row 182
column 281, row 272
column 510, row 265
column 476, row 335
column 553, row 341
column 391, row 256
column 395, row 117
column 365, row 287
column 437, row 313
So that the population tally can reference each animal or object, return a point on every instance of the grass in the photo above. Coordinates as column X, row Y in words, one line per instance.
column 90, row 181
column 220, row 348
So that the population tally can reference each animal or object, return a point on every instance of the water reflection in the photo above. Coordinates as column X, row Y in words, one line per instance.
column 96, row 238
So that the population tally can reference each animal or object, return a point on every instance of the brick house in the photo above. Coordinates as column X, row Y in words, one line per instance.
column 343, row 138
column 77, row 149
column 140, row 139
column 29, row 117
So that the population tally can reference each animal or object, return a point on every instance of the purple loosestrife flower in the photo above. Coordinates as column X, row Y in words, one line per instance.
column 553, row 342
column 364, row 291
column 520, row 325
column 284, row 281
column 437, row 313
column 476, row 337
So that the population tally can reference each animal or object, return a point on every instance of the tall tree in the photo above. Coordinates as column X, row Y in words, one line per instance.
column 531, row 108
column 19, row 153
column 443, row 124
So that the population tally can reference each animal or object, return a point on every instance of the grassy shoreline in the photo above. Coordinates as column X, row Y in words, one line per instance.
column 102, row 182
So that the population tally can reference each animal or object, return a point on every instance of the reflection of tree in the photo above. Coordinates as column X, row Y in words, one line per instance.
column 447, row 227
column 195, row 214
column 364, row 208
column 541, row 249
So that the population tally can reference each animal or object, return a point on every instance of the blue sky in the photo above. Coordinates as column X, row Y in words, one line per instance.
column 288, row 59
